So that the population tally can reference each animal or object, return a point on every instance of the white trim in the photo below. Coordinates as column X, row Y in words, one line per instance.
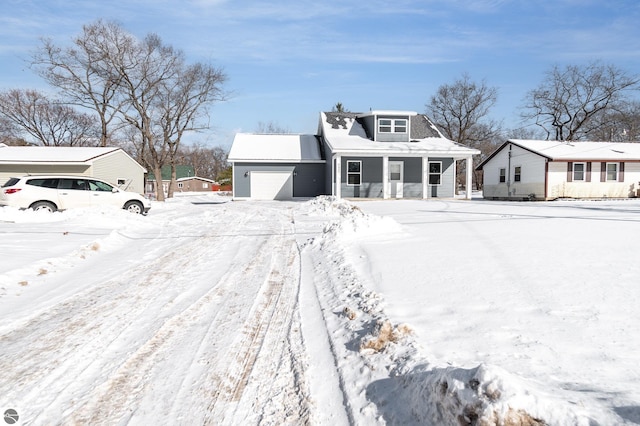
column 440, row 174
column 584, row 171
column 398, row 193
column 359, row 173
column 386, row 112
column 606, row 172
column 392, row 126
column 425, row 177
column 252, row 161
column 385, row 178
column 514, row 173
column 337, row 181
column 469, row 182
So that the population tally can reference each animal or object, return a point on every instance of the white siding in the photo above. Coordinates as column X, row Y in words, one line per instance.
column 532, row 174
column 559, row 187
column 16, row 170
column 117, row 166
column 110, row 167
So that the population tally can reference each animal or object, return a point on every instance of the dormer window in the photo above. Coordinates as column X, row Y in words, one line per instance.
column 389, row 125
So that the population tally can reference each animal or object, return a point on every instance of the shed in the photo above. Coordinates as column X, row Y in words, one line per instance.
column 111, row 164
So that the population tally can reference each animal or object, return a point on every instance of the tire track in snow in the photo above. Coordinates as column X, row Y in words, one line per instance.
column 66, row 358
column 244, row 392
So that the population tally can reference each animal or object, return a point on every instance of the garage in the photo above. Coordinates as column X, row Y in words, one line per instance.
column 277, row 167
column 271, row 185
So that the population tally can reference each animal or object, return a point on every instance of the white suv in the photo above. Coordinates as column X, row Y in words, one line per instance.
column 63, row 192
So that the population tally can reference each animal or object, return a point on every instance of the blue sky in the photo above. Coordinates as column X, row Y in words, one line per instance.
column 287, row 60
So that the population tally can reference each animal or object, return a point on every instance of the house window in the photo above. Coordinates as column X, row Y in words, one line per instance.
column 387, row 125
column 354, row 172
column 517, row 173
column 612, row 171
column 384, row 125
column 205, row 185
column 503, row 175
column 578, row 171
column 435, row 173
column 121, row 182
column 400, row 126
column 180, row 185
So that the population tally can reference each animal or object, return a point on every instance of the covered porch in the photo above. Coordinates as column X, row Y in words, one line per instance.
column 366, row 175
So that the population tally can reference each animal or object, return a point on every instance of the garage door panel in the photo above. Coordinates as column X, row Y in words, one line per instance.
column 276, row 185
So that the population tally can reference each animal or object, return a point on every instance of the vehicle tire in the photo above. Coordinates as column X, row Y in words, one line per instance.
column 43, row 205
column 134, row 207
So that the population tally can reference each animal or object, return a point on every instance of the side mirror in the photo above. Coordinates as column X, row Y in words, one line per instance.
column 114, row 190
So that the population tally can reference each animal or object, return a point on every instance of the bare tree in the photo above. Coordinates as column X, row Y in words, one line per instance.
column 523, row 133
column 146, row 83
column 617, row 124
column 569, row 101
column 9, row 132
column 182, row 101
column 271, row 128
column 44, row 121
column 461, row 110
column 81, row 72
column 207, row 162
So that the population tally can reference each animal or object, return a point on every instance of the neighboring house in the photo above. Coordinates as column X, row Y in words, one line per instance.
column 196, row 184
column 546, row 170
column 378, row 154
column 182, row 172
column 107, row 163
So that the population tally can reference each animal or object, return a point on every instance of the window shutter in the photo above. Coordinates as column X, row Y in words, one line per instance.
column 588, row 178
column 603, row 172
column 569, row 171
column 621, row 173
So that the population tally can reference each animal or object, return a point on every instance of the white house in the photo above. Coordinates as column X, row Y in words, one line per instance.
column 107, row 163
column 375, row 154
column 546, row 170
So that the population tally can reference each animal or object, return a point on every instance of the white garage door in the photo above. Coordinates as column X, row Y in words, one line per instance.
column 271, row 185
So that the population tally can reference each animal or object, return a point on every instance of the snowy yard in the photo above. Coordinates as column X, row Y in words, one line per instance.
column 209, row 311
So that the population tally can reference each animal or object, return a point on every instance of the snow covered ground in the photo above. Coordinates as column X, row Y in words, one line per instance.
column 208, row 311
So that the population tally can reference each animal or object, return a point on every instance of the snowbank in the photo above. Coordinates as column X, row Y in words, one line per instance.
column 385, row 358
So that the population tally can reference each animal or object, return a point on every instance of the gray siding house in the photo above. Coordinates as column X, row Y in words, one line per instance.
column 107, row 163
column 276, row 167
column 378, row 154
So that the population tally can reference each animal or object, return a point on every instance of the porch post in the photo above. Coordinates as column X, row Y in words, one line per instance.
column 425, row 177
column 337, row 182
column 385, row 177
column 469, row 184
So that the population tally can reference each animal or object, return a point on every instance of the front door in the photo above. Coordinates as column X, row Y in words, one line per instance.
column 396, row 178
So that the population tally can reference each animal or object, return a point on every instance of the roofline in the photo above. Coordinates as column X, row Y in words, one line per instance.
column 279, row 161
column 87, row 161
column 195, row 177
column 396, row 153
column 508, row 141
column 556, row 159
column 595, row 160
column 61, row 163
column 386, row 112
